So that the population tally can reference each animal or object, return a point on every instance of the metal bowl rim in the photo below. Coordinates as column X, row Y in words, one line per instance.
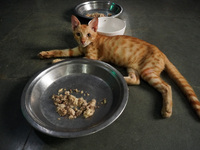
column 59, row 134
column 88, row 2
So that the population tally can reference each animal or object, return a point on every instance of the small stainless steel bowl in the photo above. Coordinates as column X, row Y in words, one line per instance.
column 99, row 79
column 107, row 8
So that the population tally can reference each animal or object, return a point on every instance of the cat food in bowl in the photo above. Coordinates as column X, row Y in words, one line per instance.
column 111, row 26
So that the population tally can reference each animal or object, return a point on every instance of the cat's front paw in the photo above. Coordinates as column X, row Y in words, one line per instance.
column 44, row 54
column 166, row 113
column 57, row 60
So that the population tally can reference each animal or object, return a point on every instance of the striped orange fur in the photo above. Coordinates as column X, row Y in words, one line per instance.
column 142, row 60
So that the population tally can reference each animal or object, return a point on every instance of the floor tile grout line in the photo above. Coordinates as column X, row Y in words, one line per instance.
column 24, row 145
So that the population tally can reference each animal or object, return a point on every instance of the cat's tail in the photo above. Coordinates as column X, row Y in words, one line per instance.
column 183, row 84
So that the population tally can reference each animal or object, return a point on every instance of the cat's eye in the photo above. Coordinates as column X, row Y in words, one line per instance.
column 78, row 34
column 89, row 35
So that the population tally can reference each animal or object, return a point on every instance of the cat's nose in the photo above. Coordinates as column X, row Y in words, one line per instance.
column 82, row 41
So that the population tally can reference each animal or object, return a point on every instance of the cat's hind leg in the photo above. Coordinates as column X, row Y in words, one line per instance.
column 165, row 89
column 133, row 77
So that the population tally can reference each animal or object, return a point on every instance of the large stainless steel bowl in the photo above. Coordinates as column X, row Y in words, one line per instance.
column 91, row 7
column 99, row 79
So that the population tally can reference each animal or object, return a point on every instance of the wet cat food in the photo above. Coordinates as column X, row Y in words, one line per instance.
column 71, row 106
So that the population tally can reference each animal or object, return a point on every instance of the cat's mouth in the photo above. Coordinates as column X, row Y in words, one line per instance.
column 84, row 44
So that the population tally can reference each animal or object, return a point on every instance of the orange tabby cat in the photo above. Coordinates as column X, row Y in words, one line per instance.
column 139, row 57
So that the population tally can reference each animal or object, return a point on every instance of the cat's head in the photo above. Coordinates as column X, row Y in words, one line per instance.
column 84, row 34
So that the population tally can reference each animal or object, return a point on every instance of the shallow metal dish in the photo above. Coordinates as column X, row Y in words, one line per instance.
column 91, row 7
column 99, row 79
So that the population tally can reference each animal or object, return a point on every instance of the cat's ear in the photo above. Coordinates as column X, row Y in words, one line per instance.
column 94, row 24
column 75, row 22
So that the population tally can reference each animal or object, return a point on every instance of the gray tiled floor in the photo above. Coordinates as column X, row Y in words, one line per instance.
column 27, row 27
